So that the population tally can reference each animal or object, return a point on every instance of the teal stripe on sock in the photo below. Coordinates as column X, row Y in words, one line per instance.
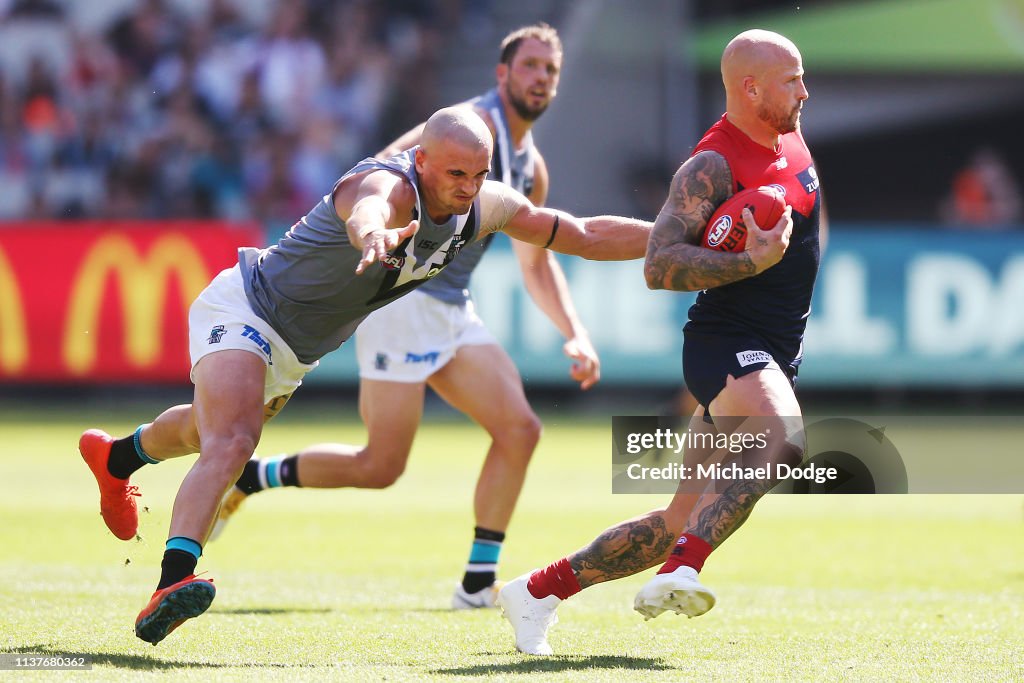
column 137, row 440
column 274, row 471
column 185, row 544
column 485, row 552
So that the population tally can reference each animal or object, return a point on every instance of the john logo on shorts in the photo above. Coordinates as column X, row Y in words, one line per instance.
column 216, row 334
column 257, row 338
column 746, row 358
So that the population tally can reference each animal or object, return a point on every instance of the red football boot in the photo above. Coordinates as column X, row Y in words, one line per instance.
column 170, row 607
column 117, row 496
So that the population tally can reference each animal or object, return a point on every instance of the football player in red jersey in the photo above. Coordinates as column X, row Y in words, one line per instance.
column 743, row 341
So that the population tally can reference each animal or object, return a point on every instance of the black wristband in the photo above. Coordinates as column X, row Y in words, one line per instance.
column 554, row 231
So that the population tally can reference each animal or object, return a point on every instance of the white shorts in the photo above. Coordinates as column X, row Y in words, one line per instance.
column 415, row 336
column 221, row 319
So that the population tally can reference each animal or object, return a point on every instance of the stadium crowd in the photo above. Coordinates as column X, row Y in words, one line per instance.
column 219, row 112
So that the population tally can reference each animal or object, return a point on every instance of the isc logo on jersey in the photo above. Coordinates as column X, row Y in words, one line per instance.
column 719, row 230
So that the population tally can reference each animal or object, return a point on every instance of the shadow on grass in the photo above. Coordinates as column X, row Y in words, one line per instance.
column 558, row 663
column 129, row 661
column 270, row 610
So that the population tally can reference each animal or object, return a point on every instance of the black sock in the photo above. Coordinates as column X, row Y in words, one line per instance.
column 124, row 459
column 259, row 474
column 176, row 565
column 290, row 471
column 249, row 482
column 483, row 559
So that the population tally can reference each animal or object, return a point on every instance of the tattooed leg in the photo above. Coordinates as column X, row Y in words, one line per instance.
column 634, row 545
column 760, row 403
column 717, row 515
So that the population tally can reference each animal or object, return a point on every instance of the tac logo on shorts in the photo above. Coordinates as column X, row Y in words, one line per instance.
column 778, row 188
column 718, row 231
column 746, row 358
column 429, row 357
column 381, row 362
column 253, row 334
column 216, row 334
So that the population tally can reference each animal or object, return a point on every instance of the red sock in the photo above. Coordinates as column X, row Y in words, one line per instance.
column 555, row 579
column 690, row 551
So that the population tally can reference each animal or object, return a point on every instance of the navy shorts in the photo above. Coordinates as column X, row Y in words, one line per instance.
column 708, row 359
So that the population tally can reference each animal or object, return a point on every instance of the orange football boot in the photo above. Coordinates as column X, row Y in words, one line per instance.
column 117, row 496
column 170, row 607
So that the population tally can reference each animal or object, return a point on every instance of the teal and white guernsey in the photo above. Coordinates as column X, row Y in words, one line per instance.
column 509, row 166
column 306, row 286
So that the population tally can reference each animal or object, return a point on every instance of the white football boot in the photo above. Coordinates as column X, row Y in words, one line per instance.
column 530, row 617
column 482, row 599
column 678, row 591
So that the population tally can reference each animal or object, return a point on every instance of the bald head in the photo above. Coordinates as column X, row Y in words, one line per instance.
column 453, row 161
column 764, row 89
column 459, row 126
column 754, row 53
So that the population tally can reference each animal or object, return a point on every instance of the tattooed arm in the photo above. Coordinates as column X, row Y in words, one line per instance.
column 675, row 258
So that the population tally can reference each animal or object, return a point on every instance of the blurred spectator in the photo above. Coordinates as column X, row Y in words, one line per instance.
column 44, row 121
column 141, row 36
column 35, row 8
column 224, row 108
column 984, row 194
column 291, row 65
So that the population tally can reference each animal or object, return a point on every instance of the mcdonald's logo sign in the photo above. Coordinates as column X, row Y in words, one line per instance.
column 143, row 280
column 13, row 336
column 97, row 303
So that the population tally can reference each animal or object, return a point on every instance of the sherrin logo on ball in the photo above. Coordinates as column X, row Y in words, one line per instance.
column 726, row 230
column 718, row 231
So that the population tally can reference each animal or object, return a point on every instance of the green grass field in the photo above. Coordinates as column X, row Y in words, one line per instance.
column 354, row 585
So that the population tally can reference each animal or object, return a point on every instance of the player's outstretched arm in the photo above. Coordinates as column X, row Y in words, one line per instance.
column 369, row 205
column 600, row 238
column 675, row 258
